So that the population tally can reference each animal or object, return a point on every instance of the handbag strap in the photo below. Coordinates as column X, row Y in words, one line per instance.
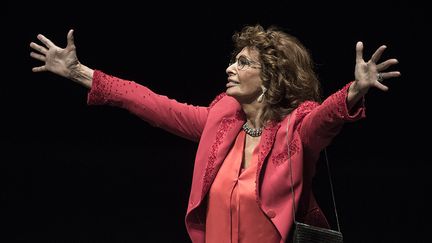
column 291, row 177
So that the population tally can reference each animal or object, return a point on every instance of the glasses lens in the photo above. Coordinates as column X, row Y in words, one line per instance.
column 242, row 62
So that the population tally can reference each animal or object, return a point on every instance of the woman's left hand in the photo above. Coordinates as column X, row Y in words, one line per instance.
column 371, row 73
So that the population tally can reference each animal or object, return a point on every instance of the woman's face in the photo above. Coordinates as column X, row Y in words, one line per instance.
column 244, row 81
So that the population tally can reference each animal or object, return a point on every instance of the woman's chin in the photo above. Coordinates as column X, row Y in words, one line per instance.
column 231, row 92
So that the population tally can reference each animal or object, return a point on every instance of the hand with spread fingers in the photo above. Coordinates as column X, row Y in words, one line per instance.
column 61, row 61
column 370, row 74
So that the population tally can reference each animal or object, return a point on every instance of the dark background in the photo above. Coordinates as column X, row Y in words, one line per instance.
column 75, row 173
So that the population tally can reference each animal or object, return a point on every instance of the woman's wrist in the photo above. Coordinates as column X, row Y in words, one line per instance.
column 83, row 75
column 355, row 94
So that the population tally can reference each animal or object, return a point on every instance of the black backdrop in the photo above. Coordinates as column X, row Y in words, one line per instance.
column 71, row 172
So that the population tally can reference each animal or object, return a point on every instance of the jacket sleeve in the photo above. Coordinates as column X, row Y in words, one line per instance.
column 160, row 111
column 320, row 123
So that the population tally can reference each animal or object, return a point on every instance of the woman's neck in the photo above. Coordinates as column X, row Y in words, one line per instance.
column 253, row 113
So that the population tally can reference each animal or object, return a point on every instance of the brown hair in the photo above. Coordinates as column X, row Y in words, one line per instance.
column 287, row 69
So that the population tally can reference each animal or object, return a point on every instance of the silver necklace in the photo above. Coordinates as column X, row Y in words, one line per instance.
column 253, row 132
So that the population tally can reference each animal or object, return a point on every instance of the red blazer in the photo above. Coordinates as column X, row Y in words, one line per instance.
column 311, row 128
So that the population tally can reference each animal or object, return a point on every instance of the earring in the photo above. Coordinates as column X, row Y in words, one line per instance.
column 261, row 97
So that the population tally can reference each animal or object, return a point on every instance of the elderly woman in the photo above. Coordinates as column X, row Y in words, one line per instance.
column 269, row 125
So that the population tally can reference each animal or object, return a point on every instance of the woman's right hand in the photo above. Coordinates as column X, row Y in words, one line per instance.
column 61, row 61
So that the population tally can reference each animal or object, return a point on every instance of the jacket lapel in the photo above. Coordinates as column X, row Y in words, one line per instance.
column 266, row 144
column 225, row 137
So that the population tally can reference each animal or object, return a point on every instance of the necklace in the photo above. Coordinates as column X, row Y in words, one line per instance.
column 253, row 132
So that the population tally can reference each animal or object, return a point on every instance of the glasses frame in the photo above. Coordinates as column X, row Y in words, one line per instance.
column 244, row 63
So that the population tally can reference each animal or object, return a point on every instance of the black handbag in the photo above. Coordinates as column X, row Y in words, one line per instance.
column 311, row 234
column 305, row 233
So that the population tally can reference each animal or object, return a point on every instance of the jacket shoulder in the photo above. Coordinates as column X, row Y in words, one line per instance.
column 304, row 108
column 215, row 100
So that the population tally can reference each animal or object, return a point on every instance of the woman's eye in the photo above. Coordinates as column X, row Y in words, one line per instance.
column 243, row 61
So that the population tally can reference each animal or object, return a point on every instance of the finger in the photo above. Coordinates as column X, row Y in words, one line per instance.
column 38, row 56
column 39, row 69
column 45, row 40
column 377, row 55
column 381, row 86
column 359, row 51
column 384, row 65
column 38, row 48
column 393, row 74
column 70, row 38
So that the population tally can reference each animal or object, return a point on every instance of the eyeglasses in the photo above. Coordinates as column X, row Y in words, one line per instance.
column 243, row 63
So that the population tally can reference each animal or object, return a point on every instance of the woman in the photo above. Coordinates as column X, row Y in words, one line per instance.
column 268, row 121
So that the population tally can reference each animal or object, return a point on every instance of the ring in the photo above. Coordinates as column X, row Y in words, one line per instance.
column 380, row 77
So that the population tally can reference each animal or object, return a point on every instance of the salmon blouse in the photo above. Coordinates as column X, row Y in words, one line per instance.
column 233, row 214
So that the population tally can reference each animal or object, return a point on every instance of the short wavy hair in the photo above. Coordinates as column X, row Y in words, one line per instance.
column 287, row 69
